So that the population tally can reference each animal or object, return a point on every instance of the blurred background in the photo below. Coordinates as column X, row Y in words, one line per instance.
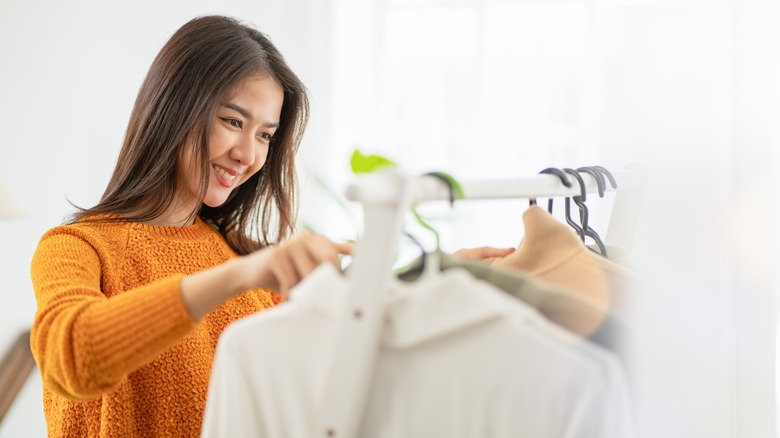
column 688, row 89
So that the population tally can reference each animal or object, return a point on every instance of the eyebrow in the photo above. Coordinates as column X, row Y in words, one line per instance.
column 246, row 114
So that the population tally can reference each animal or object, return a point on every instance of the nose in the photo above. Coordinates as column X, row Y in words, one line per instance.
column 244, row 150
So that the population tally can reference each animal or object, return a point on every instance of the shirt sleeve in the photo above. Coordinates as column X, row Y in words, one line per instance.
column 85, row 343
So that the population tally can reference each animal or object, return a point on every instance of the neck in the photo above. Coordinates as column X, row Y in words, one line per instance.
column 171, row 220
column 175, row 215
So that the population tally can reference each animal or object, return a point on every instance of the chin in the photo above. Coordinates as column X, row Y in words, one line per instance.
column 215, row 201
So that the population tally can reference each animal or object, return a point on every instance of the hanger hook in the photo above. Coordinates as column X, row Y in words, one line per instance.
column 577, row 176
column 446, row 182
column 560, row 174
column 585, row 230
column 602, row 185
column 580, row 204
column 453, row 192
column 564, row 180
column 608, row 174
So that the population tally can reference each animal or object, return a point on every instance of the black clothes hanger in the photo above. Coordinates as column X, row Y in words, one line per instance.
column 564, row 180
column 447, row 182
column 599, row 172
column 602, row 185
column 585, row 230
column 423, row 253
column 608, row 174
column 580, row 202
column 420, row 246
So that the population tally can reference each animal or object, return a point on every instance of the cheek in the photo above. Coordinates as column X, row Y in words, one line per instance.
column 261, row 160
column 259, row 164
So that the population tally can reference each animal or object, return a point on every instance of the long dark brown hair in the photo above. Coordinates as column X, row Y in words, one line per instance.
column 196, row 70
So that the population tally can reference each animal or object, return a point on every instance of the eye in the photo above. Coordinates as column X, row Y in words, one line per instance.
column 233, row 122
column 266, row 137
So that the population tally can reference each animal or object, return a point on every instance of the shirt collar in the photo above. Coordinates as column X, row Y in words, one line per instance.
column 438, row 305
column 432, row 307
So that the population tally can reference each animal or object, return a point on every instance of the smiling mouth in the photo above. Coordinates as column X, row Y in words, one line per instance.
column 224, row 173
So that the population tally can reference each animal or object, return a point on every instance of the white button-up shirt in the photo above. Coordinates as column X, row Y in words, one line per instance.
column 458, row 358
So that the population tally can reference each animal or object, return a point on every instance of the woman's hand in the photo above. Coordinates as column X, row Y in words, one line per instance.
column 281, row 267
column 483, row 254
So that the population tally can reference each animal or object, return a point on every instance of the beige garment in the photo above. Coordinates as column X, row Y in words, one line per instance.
column 552, row 252
column 554, row 272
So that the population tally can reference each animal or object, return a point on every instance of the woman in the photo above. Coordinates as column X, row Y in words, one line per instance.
column 133, row 293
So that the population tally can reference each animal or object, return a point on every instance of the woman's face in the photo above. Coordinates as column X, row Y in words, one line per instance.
column 240, row 136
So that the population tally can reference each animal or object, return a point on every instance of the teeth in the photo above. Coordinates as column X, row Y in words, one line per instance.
column 225, row 174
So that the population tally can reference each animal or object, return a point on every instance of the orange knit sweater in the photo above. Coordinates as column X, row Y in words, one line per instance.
column 118, row 353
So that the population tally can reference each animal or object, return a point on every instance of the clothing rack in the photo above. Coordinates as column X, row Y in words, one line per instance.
column 387, row 196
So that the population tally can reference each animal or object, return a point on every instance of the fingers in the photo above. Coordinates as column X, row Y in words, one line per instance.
column 303, row 256
column 485, row 253
column 323, row 251
column 292, row 261
column 283, row 274
column 344, row 248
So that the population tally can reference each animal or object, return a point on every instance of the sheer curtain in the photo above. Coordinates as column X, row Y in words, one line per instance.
column 498, row 88
column 474, row 88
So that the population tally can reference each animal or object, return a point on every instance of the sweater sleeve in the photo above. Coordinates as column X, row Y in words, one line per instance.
column 85, row 343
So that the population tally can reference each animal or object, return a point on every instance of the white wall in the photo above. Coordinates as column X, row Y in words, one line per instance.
column 754, row 195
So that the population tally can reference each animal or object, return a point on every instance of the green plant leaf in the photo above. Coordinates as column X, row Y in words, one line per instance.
column 361, row 163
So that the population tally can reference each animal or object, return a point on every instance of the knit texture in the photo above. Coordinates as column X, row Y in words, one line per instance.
column 118, row 353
